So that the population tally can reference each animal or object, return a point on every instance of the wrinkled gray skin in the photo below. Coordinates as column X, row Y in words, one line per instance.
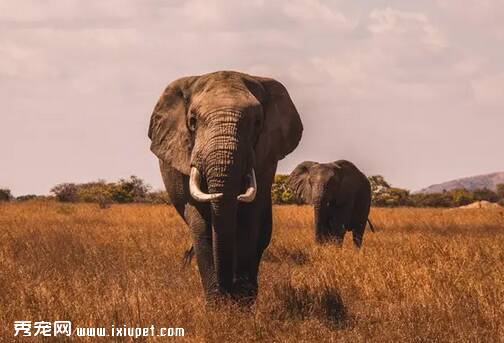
column 341, row 197
column 224, row 124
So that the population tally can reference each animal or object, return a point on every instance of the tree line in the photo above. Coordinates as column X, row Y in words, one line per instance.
column 126, row 190
column 384, row 195
column 135, row 190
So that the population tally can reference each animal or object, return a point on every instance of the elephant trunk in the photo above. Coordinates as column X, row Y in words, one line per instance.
column 226, row 167
column 320, row 214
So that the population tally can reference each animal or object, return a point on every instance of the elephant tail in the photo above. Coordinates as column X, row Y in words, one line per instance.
column 371, row 226
column 188, row 255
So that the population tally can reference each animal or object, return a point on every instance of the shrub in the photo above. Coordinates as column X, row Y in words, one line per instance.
column 5, row 195
column 391, row 197
column 500, row 191
column 92, row 191
column 158, row 197
column 280, row 191
column 378, row 184
column 485, row 194
column 65, row 192
column 431, row 200
column 129, row 190
column 384, row 195
column 461, row 197
column 26, row 197
column 98, row 192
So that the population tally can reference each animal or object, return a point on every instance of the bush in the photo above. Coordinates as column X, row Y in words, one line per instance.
column 500, row 191
column 65, row 192
column 391, row 197
column 26, row 197
column 280, row 191
column 384, row 195
column 431, row 200
column 98, row 192
column 5, row 195
column 378, row 184
column 159, row 197
column 461, row 197
column 485, row 194
column 129, row 190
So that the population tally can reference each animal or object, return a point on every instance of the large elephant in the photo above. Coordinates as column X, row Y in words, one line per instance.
column 218, row 138
column 341, row 197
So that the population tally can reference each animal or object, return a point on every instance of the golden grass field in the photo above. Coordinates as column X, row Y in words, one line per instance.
column 426, row 275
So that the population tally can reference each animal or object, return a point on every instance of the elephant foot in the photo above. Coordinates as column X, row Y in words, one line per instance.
column 329, row 239
column 244, row 292
column 215, row 302
column 323, row 238
column 234, row 300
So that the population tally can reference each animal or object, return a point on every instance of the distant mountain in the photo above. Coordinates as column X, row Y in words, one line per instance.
column 470, row 183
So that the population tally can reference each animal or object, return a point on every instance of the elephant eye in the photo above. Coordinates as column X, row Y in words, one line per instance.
column 192, row 123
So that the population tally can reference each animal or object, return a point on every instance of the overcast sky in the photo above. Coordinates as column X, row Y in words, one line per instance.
column 412, row 90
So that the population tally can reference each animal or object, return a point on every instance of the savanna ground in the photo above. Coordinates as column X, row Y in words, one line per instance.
column 426, row 275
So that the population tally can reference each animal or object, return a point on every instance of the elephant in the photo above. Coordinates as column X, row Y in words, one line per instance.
column 218, row 138
column 341, row 197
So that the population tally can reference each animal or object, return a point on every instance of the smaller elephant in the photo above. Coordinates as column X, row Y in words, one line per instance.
column 341, row 197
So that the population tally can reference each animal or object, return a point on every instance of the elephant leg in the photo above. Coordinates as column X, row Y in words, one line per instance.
column 253, row 237
column 189, row 253
column 337, row 230
column 197, row 217
column 175, row 184
column 245, row 282
column 358, row 222
column 323, row 233
column 358, row 227
column 265, row 231
column 338, row 223
column 358, row 235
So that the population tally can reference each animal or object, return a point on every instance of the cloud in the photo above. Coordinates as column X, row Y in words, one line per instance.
column 405, row 23
column 489, row 90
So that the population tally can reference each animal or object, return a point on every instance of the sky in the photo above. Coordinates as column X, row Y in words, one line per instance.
column 411, row 90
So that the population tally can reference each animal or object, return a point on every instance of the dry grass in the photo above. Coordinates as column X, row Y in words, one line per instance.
column 424, row 276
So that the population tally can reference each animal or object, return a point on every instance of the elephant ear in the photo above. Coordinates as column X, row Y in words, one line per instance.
column 170, row 137
column 339, row 174
column 299, row 181
column 282, row 128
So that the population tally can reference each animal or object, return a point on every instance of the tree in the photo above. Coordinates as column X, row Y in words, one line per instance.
column 65, row 192
column 158, row 197
column 378, row 183
column 26, row 197
column 500, row 191
column 461, row 197
column 133, row 189
column 384, row 195
column 98, row 192
column 485, row 194
column 431, row 200
column 5, row 195
column 280, row 191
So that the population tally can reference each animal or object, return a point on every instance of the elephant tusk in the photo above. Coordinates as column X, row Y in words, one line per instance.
column 251, row 191
column 195, row 190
